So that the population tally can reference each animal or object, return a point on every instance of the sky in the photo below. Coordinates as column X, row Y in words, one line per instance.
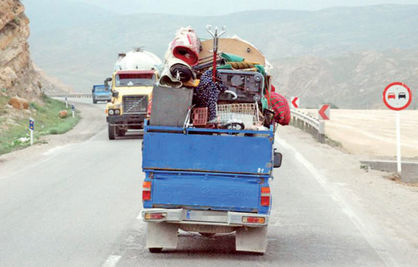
column 219, row 7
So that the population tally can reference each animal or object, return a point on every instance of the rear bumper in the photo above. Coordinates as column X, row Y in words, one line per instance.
column 102, row 97
column 127, row 119
column 202, row 217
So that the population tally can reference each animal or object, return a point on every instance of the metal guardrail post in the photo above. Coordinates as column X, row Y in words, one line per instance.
column 321, row 132
column 308, row 124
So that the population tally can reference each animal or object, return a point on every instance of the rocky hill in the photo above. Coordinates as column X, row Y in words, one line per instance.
column 17, row 75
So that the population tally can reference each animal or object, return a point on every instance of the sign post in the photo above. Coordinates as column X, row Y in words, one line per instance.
column 398, row 143
column 397, row 96
column 31, row 129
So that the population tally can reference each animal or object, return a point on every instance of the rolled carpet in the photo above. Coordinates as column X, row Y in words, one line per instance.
column 186, row 46
column 175, row 71
column 181, row 72
column 168, row 80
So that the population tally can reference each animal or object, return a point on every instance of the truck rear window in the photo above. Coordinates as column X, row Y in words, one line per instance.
column 135, row 79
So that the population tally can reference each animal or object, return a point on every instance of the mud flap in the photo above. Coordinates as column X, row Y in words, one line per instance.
column 161, row 235
column 252, row 239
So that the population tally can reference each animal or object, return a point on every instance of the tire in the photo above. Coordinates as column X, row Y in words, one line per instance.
column 94, row 101
column 111, row 132
column 155, row 250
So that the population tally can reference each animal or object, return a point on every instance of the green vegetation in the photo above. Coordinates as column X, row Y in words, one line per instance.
column 14, row 124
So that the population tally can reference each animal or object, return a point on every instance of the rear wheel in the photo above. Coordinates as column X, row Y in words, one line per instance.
column 94, row 101
column 155, row 250
column 111, row 132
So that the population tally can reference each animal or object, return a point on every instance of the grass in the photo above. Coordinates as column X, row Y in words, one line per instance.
column 17, row 136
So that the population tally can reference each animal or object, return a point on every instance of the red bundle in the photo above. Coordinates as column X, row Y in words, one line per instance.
column 281, row 108
column 186, row 46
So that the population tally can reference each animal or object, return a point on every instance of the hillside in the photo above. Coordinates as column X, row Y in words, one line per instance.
column 350, row 80
column 22, row 85
column 83, row 55
column 17, row 76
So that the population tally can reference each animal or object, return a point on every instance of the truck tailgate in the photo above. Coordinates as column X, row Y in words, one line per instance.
column 209, row 153
column 206, row 191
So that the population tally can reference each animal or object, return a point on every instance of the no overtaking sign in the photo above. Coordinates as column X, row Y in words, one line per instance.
column 397, row 96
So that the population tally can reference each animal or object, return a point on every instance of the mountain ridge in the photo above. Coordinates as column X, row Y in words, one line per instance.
column 84, row 55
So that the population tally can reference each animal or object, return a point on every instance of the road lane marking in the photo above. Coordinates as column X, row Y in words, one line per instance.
column 49, row 155
column 111, row 261
column 54, row 150
column 368, row 233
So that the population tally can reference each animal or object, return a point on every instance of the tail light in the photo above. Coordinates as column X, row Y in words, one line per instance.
column 253, row 219
column 146, row 191
column 149, row 106
column 155, row 216
column 265, row 196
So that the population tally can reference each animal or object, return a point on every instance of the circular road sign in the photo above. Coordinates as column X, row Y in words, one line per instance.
column 397, row 96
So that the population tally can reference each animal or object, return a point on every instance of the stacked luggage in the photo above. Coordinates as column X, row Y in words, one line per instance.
column 220, row 83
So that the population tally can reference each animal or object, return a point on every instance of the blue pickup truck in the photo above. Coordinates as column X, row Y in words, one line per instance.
column 101, row 92
column 207, row 181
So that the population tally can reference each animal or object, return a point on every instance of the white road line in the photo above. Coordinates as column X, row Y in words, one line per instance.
column 111, row 261
column 54, row 150
column 367, row 231
column 50, row 154
column 25, row 168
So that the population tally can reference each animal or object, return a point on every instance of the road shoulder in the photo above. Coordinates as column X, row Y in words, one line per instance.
column 390, row 207
column 92, row 121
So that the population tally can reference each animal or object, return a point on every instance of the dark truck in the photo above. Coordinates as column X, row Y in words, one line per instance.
column 101, row 92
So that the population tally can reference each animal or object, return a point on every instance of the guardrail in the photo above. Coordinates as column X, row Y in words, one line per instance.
column 308, row 124
column 80, row 95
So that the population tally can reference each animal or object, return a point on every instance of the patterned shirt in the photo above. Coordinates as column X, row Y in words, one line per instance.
column 207, row 93
column 281, row 108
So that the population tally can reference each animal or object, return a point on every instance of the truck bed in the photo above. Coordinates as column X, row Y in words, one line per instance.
column 207, row 169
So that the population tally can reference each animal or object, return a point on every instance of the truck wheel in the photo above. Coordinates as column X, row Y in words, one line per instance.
column 94, row 101
column 155, row 250
column 112, row 132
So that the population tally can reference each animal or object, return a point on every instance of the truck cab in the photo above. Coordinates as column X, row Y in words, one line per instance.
column 131, row 97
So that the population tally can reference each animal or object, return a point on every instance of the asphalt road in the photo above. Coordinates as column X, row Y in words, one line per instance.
column 77, row 205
